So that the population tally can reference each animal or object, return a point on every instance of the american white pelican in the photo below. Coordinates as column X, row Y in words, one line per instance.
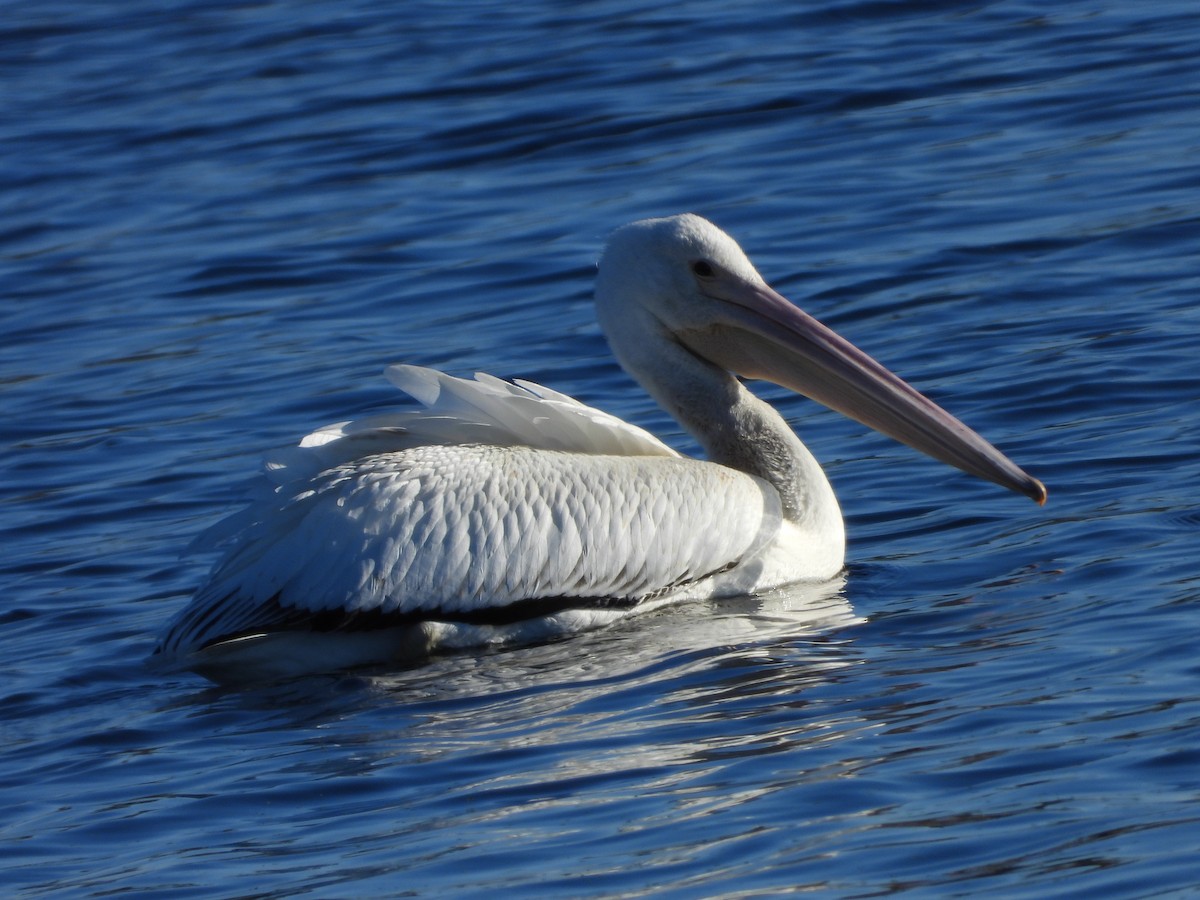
column 507, row 511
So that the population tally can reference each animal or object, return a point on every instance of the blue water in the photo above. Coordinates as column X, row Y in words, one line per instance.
column 222, row 220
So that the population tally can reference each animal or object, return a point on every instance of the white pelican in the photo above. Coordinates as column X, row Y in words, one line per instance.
column 507, row 511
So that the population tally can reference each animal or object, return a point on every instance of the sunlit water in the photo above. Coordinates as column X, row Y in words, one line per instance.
column 222, row 220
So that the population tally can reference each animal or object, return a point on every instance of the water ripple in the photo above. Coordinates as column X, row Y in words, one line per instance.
column 222, row 222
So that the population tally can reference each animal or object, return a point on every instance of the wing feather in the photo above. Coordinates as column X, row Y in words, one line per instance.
column 486, row 410
column 496, row 493
column 444, row 530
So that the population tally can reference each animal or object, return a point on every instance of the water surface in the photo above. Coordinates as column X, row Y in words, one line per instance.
column 222, row 220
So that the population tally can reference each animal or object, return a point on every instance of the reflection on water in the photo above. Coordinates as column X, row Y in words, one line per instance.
column 649, row 721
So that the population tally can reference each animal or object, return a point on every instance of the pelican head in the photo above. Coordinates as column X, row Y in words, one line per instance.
column 677, row 295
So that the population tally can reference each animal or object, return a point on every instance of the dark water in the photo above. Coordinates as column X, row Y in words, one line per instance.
column 220, row 222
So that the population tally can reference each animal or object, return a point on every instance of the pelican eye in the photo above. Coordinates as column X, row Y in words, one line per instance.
column 702, row 268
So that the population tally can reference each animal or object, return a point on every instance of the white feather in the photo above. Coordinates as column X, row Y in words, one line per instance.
column 444, row 530
column 496, row 493
column 487, row 410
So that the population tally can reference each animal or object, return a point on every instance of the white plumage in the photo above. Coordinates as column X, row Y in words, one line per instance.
column 508, row 511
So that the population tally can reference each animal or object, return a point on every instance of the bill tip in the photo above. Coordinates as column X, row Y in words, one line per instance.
column 1037, row 491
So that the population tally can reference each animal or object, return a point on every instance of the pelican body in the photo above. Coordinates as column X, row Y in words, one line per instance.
column 505, row 511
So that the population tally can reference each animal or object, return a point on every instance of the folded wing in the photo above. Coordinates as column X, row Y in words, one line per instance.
column 496, row 495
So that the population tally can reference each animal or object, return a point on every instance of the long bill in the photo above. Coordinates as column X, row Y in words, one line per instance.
column 770, row 338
